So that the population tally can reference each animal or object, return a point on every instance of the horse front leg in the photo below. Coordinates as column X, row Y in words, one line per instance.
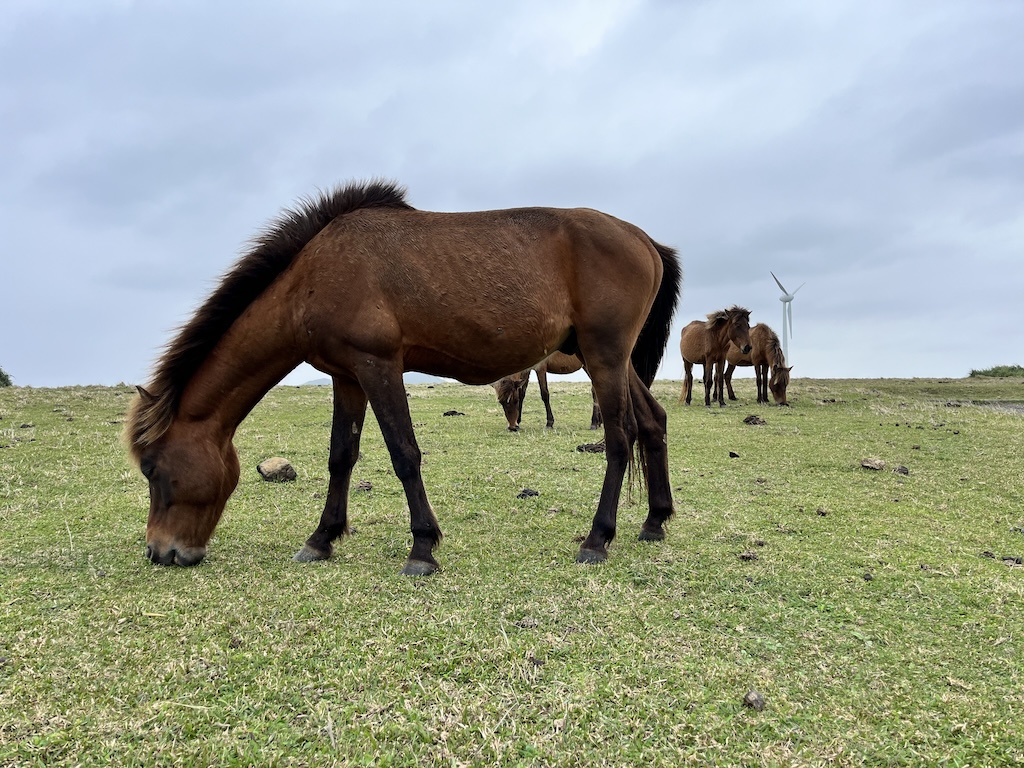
column 719, row 371
column 709, row 381
column 346, row 429
column 620, row 433
column 761, row 374
column 545, row 395
column 383, row 384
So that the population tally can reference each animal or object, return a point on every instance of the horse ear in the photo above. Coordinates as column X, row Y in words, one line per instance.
column 146, row 397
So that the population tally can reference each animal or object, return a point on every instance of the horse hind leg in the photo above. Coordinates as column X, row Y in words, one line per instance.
column 346, row 429
column 652, row 426
column 620, row 433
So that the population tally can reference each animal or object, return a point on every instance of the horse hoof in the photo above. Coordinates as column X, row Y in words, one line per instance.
column 646, row 535
column 419, row 568
column 309, row 555
column 591, row 556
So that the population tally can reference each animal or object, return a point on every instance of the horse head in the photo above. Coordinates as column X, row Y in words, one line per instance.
column 510, row 392
column 190, row 479
column 778, row 383
column 738, row 320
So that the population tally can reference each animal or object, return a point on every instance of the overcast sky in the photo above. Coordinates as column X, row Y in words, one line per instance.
column 872, row 151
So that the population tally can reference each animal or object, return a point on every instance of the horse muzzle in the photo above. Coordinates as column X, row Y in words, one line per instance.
column 183, row 556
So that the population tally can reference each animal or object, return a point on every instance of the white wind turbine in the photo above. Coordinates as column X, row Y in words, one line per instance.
column 787, row 315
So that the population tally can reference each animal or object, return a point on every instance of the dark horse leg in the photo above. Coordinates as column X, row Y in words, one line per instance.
column 545, row 395
column 719, row 371
column 761, row 374
column 382, row 381
column 709, row 381
column 595, row 415
column 652, row 424
column 620, row 433
column 346, row 429
column 687, row 392
column 522, row 387
column 728, row 381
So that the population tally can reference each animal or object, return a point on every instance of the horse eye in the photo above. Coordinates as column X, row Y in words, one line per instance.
column 146, row 467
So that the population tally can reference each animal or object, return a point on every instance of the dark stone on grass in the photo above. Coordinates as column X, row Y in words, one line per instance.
column 1011, row 560
column 901, row 470
column 590, row 448
column 754, row 420
column 453, row 413
column 748, row 555
column 733, row 455
column 364, row 485
column 754, row 700
column 876, row 464
column 527, row 493
column 276, row 470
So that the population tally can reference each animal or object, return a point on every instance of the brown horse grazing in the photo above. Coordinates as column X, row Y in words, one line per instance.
column 705, row 343
column 765, row 351
column 362, row 286
column 511, row 390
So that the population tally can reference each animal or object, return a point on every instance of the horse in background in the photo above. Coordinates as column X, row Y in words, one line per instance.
column 765, row 352
column 705, row 342
column 511, row 390
column 362, row 286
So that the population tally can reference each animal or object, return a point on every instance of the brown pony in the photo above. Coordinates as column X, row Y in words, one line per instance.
column 362, row 286
column 705, row 343
column 511, row 390
column 765, row 351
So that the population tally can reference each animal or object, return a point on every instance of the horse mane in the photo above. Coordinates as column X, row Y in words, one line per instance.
column 775, row 351
column 722, row 315
column 271, row 252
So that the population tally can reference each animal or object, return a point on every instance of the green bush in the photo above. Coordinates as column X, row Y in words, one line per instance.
column 5, row 380
column 1000, row 372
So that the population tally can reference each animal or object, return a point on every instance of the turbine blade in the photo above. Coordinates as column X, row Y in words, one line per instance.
column 781, row 286
column 801, row 286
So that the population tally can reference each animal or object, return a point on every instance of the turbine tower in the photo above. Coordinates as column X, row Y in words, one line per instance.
column 787, row 315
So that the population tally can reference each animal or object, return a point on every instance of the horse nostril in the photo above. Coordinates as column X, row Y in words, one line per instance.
column 150, row 555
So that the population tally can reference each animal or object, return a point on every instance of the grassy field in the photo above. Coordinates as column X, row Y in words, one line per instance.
column 877, row 612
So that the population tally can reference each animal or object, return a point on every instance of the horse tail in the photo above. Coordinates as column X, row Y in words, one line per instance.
column 650, row 345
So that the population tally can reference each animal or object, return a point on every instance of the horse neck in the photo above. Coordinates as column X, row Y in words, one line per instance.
column 255, row 354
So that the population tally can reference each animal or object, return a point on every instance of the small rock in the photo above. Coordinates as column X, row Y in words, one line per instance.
column 821, row 511
column 901, row 470
column 453, row 413
column 868, row 576
column 872, row 464
column 590, row 448
column 754, row 700
column 364, row 485
column 989, row 554
column 733, row 455
column 276, row 470
column 748, row 555
column 754, row 420
column 527, row 493
column 1011, row 560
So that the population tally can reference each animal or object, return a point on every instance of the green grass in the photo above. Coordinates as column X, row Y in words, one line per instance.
column 873, row 610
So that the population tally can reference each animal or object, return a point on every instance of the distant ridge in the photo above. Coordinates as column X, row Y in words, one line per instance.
column 409, row 378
